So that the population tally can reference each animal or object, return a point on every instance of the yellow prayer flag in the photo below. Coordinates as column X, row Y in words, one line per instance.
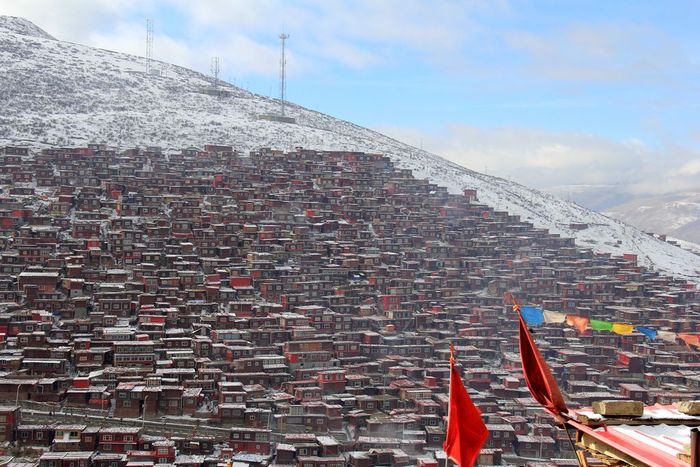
column 623, row 329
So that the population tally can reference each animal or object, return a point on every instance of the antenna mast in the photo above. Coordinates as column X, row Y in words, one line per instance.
column 215, row 70
column 149, row 44
column 283, row 64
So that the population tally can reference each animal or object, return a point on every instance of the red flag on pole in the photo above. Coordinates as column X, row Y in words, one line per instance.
column 538, row 377
column 466, row 432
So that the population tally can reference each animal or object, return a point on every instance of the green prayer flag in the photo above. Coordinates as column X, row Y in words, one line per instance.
column 598, row 325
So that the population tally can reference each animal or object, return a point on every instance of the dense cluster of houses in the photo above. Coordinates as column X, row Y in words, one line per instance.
column 303, row 303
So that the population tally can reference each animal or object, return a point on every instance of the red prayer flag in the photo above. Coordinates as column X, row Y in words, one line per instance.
column 466, row 431
column 538, row 377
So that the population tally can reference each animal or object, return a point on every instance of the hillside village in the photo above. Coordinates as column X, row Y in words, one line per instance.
column 55, row 93
column 206, row 307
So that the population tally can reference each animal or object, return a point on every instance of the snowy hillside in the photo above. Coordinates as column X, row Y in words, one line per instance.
column 60, row 93
column 673, row 214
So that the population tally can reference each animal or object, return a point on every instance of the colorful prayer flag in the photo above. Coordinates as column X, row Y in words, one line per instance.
column 533, row 316
column 554, row 317
column 579, row 322
column 649, row 332
column 690, row 339
column 668, row 336
column 598, row 325
column 622, row 329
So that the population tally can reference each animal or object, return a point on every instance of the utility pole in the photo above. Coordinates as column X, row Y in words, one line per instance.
column 143, row 418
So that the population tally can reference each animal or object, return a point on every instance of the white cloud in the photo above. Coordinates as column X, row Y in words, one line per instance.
column 131, row 38
column 599, row 52
column 324, row 33
column 690, row 168
column 545, row 159
column 448, row 35
column 70, row 20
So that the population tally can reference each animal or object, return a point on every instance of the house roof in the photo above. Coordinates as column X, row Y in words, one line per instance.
column 658, row 437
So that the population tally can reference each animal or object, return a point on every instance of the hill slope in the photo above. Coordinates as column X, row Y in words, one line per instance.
column 59, row 93
column 674, row 214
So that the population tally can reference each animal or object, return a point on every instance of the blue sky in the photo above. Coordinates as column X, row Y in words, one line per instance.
column 544, row 92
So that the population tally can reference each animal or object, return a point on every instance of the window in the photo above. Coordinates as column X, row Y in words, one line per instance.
column 39, row 435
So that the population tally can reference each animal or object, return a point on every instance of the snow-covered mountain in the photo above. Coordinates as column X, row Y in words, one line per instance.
column 673, row 214
column 59, row 93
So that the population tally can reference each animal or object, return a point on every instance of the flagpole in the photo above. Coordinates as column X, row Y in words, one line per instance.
column 578, row 460
column 449, row 391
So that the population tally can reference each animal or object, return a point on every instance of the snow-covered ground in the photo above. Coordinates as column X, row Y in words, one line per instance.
column 674, row 214
column 59, row 93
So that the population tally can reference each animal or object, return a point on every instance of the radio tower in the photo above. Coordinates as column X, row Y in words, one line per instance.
column 149, row 44
column 283, row 63
column 215, row 70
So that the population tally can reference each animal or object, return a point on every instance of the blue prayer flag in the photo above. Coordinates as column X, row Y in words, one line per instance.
column 649, row 332
column 532, row 316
